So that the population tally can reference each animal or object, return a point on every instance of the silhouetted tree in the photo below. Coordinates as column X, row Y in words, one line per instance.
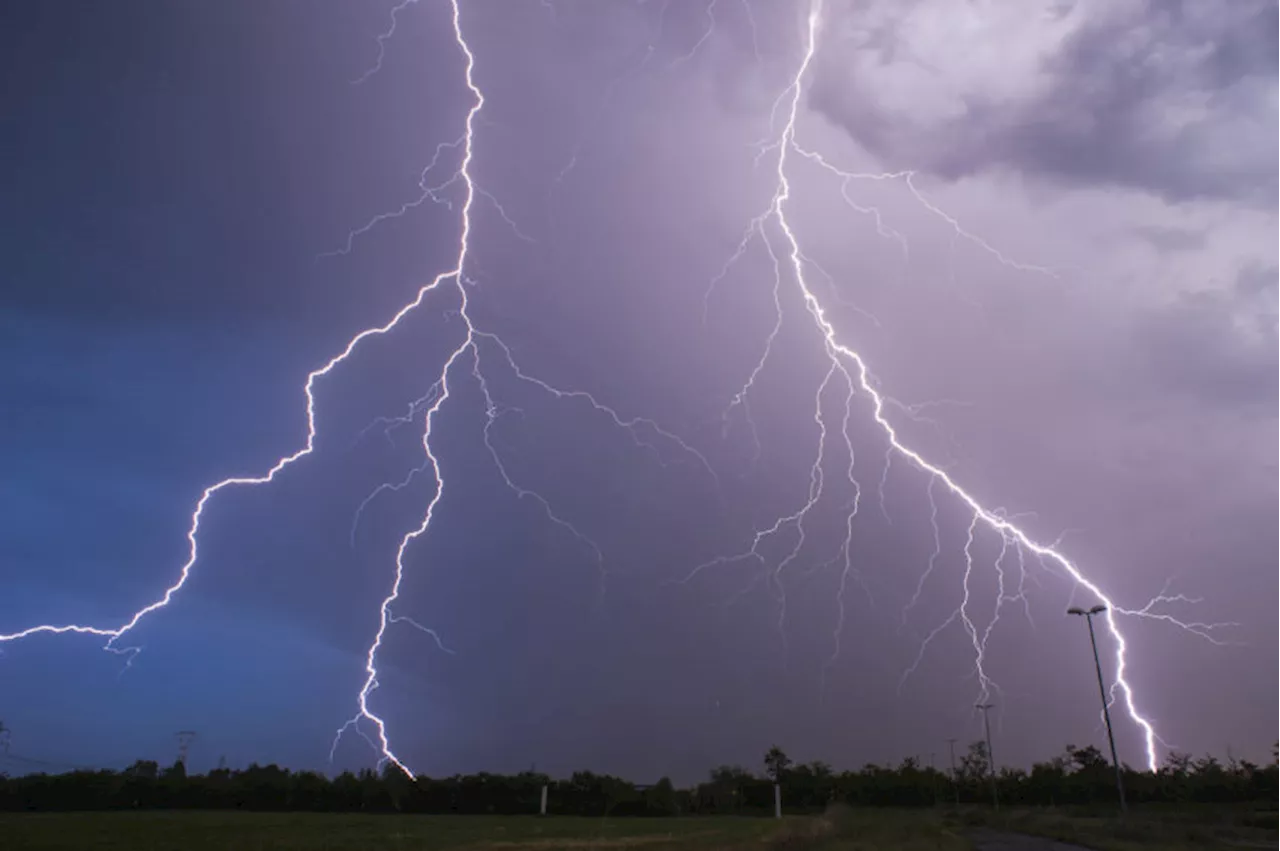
column 974, row 765
column 776, row 763
column 1078, row 776
column 660, row 799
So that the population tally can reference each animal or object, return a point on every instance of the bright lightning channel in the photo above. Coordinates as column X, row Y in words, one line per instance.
column 644, row 432
column 855, row 371
column 436, row 400
column 841, row 358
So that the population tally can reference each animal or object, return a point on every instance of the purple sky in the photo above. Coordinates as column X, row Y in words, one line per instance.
column 1071, row 303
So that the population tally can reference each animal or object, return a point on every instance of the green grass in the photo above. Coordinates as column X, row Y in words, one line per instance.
column 845, row 830
column 1167, row 827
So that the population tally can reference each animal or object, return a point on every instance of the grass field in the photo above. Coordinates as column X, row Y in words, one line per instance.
column 1146, row 829
column 1193, row 827
column 229, row 831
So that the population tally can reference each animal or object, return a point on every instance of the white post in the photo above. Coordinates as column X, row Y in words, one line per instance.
column 777, row 800
column 542, row 809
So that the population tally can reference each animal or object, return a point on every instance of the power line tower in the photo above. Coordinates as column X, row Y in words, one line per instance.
column 986, row 708
column 955, row 777
column 184, row 737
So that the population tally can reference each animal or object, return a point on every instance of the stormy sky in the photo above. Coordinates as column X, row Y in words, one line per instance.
column 1071, row 302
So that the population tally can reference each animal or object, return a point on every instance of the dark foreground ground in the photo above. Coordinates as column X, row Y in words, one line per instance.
column 844, row 830
column 1190, row 827
column 231, row 831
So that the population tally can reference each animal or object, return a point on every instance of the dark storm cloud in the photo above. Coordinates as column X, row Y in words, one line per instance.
column 1171, row 239
column 1176, row 99
column 1258, row 281
column 121, row 425
column 1216, row 347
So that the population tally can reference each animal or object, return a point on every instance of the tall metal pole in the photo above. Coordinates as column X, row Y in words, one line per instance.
column 1102, row 692
column 955, row 778
column 991, row 760
column 184, row 738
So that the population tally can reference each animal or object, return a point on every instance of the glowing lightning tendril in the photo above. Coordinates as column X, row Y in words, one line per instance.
column 428, row 406
column 437, row 399
column 844, row 362
column 855, row 371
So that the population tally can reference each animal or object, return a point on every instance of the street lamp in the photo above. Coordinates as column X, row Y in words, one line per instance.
column 991, row 761
column 955, row 778
column 1102, row 691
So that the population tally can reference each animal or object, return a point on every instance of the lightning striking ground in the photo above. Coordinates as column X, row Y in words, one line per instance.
column 851, row 364
column 438, row 395
column 437, row 400
column 643, row 431
column 847, row 371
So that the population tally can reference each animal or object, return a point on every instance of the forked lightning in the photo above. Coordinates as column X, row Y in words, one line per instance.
column 846, row 373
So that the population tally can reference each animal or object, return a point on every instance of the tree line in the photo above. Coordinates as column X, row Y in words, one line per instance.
column 1078, row 776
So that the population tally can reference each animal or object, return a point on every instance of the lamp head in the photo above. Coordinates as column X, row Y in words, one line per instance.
column 1097, row 610
column 1075, row 610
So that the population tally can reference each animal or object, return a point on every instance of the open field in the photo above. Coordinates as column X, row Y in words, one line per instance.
column 1171, row 827
column 1202, row 828
column 233, row 831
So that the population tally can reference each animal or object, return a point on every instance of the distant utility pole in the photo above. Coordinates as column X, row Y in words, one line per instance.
column 184, row 738
column 955, row 778
column 1102, row 690
column 991, row 760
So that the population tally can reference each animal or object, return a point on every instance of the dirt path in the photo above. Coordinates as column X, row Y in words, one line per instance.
column 991, row 840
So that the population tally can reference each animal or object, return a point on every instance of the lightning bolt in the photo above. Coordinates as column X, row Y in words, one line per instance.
column 382, row 39
column 710, row 14
column 439, row 393
column 644, row 432
column 391, row 424
column 933, row 556
column 113, row 634
column 436, row 400
column 846, row 366
column 853, row 367
column 908, row 179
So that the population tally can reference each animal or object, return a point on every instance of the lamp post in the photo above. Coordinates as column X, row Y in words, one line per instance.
column 1088, row 614
column 991, row 761
column 955, row 778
